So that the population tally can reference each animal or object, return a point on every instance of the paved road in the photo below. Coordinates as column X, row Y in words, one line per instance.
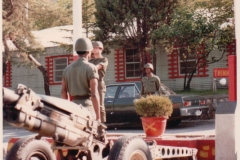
column 190, row 127
column 194, row 127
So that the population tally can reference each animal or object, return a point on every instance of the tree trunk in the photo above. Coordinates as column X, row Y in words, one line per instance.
column 190, row 79
column 155, row 63
column 44, row 72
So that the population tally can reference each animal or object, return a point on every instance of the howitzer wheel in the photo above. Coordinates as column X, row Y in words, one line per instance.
column 30, row 148
column 130, row 148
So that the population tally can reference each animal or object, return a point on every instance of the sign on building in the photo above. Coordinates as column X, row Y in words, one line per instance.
column 220, row 72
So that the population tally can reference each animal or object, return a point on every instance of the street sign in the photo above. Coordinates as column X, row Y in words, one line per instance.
column 220, row 72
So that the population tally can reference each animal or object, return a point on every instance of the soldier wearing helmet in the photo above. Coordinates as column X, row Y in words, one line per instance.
column 101, row 64
column 80, row 79
column 150, row 83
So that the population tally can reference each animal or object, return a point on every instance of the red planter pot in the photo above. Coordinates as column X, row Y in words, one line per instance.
column 154, row 126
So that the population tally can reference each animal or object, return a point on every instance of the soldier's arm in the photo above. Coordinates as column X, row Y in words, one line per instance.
column 64, row 89
column 103, row 64
column 158, row 86
column 95, row 97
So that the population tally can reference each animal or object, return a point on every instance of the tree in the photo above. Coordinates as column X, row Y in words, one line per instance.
column 196, row 31
column 88, row 18
column 17, row 38
column 127, row 23
column 47, row 13
column 23, row 16
column 17, row 30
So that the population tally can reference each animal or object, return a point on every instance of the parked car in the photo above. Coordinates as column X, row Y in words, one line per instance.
column 120, row 110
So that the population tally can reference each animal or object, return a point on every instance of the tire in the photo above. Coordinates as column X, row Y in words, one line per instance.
column 130, row 148
column 29, row 148
column 173, row 123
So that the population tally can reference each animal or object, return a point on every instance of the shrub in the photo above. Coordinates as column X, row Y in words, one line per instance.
column 153, row 106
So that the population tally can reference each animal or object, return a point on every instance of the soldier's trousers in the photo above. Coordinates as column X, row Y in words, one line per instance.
column 102, row 91
column 88, row 104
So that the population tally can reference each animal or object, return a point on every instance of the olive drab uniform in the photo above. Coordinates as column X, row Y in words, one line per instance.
column 151, row 85
column 77, row 76
column 101, row 84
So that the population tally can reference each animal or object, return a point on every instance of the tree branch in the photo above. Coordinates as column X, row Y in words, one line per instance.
column 44, row 72
column 11, row 11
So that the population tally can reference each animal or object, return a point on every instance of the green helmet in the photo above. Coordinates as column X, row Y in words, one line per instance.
column 149, row 65
column 98, row 44
column 83, row 44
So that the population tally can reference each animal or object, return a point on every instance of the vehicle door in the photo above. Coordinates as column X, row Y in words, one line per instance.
column 123, row 105
column 111, row 93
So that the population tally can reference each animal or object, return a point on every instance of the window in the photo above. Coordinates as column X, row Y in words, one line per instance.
column 178, row 66
column 55, row 66
column 127, row 62
column 187, row 61
column 59, row 65
column 132, row 63
column 128, row 91
column 111, row 91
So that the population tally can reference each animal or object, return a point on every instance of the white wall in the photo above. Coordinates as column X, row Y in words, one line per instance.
column 197, row 83
column 110, row 73
column 33, row 77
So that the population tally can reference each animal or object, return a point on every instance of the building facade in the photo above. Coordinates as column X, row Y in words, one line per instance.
column 123, row 67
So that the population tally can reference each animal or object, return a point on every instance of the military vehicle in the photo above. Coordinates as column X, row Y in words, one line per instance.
column 76, row 135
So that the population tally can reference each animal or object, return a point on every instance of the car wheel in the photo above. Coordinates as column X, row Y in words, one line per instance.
column 130, row 148
column 31, row 148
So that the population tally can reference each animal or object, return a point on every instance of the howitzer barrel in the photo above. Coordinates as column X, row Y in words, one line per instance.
column 9, row 96
column 63, row 120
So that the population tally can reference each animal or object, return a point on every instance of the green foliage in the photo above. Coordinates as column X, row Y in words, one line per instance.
column 17, row 28
column 88, row 18
column 192, row 28
column 124, row 23
column 22, row 17
column 196, row 30
column 153, row 106
column 47, row 13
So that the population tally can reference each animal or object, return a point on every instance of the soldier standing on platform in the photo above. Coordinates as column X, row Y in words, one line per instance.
column 101, row 64
column 150, row 83
column 80, row 79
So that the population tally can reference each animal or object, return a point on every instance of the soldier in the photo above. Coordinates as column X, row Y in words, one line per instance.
column 101, row 64
column 150, row 83
column 80, row 79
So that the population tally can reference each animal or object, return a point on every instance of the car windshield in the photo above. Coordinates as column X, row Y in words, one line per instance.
column 139, row 85
column 127, row 91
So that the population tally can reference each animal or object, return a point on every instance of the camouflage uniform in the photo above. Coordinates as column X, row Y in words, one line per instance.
column 101, row 84
column 77, row 76
column 151, row 85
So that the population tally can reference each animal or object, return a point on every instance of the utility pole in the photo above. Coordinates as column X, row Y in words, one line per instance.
column 77, row 24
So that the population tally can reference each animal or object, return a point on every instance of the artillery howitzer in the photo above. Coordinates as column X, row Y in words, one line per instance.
column 75, row 133
column 70, row 125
